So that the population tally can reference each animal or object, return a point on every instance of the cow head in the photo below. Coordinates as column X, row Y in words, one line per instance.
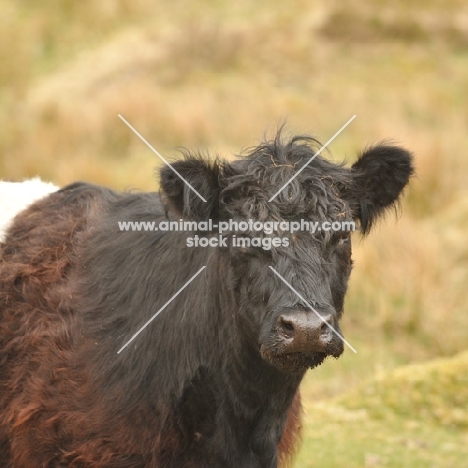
column 290, row 315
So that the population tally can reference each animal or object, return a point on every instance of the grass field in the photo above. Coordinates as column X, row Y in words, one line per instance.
column 218, row 76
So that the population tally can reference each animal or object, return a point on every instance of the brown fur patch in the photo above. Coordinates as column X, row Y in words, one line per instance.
column 291, row 438
column 47, row 399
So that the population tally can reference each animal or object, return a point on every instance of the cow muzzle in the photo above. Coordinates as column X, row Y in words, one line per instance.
column 302, row 340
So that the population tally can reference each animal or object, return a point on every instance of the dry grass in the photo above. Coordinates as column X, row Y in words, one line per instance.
column 218, row 75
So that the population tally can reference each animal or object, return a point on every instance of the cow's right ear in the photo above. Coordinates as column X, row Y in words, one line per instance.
column 185, row 182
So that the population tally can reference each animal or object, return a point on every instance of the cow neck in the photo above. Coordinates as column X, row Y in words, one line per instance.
column 252, row 385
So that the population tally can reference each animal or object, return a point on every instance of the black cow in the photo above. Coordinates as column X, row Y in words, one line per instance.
column 213, row 380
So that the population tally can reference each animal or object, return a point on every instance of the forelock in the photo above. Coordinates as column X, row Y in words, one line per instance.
column 248, row 183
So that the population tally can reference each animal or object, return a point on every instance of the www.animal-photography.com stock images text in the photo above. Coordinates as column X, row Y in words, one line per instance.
column 233, row 234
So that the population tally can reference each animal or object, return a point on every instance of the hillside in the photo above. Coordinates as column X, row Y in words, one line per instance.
column 415, row 416
column 218, row 76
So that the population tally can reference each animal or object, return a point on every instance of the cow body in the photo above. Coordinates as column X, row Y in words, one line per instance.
column 213, row 381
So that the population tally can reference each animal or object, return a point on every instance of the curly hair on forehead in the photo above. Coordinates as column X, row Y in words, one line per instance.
column 314, row 190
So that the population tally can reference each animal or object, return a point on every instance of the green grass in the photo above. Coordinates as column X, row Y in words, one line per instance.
column 413, row 416
column 436, row 392
column 335, row 437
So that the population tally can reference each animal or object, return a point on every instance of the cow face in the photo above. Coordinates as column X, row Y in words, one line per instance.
column 289, row 287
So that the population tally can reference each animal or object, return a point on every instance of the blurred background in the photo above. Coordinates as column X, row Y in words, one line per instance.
column 219, row 76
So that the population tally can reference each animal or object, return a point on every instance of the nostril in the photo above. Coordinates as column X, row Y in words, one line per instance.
column 326, row 324
column 286, row 327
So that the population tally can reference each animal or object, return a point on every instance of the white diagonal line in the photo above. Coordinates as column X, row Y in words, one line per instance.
column 157, row 153
column 311, row 308
column 313, row 157
column 161, row 309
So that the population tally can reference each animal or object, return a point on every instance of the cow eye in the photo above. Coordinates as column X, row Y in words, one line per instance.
column 344, row 238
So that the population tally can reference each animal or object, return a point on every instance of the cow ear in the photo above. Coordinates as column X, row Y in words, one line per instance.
column 378, row 178
column 190, row 188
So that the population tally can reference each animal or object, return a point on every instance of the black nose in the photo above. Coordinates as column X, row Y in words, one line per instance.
column 309, row 332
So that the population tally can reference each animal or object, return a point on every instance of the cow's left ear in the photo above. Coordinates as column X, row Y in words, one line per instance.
column 179, row 183
column 378, row 178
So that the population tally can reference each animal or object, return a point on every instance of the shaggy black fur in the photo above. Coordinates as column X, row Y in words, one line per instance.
column 207, row 383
